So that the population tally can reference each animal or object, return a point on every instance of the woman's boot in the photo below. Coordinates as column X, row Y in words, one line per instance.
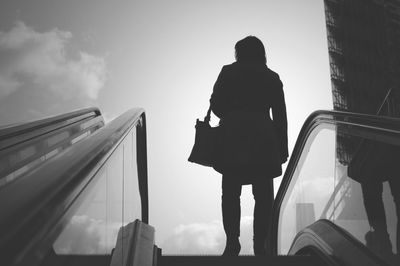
column 232, row 247
column 259, row 246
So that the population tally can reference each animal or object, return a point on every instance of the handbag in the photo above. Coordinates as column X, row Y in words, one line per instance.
column 204, row 148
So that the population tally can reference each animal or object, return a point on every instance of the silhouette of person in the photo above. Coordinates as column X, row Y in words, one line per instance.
column 373, row 164
column 252, row 146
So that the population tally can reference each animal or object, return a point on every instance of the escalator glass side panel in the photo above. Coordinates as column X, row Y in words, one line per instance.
column 91, row 225
column 132, row 208
column 347, row 174
column 68, row 210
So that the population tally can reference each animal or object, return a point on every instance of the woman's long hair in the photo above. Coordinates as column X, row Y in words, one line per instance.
column 250, row 50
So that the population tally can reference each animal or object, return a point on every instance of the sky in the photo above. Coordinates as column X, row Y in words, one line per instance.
column 57, row 56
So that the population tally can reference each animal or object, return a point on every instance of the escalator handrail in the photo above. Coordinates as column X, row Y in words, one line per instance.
column 12, row 130
column 330, row 240
column 33, row 203
column 24, row 147
column 390, row 125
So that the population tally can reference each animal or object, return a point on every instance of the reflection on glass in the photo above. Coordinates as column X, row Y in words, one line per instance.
column 132, row 201
column 114, row 197
column 311, row 187
column 110, row 201
column 375, row 167
column 351, row 181
column 86, row 231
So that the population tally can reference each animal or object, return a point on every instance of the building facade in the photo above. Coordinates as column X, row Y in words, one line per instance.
column 364, row 51
column 364, row 57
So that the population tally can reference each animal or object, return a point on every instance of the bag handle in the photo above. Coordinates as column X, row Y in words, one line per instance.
column 207, row 118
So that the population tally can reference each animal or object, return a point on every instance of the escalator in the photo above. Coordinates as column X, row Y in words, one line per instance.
column 73, row 191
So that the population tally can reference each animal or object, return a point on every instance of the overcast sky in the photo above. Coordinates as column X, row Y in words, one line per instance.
column 164, row 56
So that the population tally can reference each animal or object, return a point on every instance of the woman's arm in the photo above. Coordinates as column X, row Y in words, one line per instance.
column 280, row 119
column 218, row 97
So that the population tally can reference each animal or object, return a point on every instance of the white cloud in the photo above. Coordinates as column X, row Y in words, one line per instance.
column 8, row 85
column 85, row 235
column 206, row 238
column 38, row 77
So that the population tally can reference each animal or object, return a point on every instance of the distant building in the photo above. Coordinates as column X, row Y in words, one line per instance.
column 305, row 215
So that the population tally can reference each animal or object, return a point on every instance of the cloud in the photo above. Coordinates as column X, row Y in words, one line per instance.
column 8, row 85
column 38, row 78
column 316, row 190
column 206, row 238
column 85, row 235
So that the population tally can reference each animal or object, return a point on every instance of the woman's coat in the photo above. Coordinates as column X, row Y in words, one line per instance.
column 251, row 144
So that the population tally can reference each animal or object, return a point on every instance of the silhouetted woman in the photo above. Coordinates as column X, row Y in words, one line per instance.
column 253, row 145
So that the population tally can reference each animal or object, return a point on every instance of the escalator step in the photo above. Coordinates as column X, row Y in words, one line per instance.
column 236, row 261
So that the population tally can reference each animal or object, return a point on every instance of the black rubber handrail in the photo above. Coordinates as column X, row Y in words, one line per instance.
column 25, row 146
column 31, row 206
column 388, row 126
column 335, row 245
column 14, row 130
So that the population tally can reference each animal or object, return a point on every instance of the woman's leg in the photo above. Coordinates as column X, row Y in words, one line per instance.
column 231, row 190
column 263, row 192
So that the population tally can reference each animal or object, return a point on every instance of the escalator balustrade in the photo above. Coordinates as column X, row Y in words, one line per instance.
column 81, row 197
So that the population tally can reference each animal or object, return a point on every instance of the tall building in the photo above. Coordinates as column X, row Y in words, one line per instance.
column 364, row 57
column 364, row 52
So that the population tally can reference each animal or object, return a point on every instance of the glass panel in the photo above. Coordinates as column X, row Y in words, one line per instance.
column 114, row 197
column 132, row 201
column 85, row 233
column 110, row 201
column 311, row 187
column 94, row 226
column 348, row 175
